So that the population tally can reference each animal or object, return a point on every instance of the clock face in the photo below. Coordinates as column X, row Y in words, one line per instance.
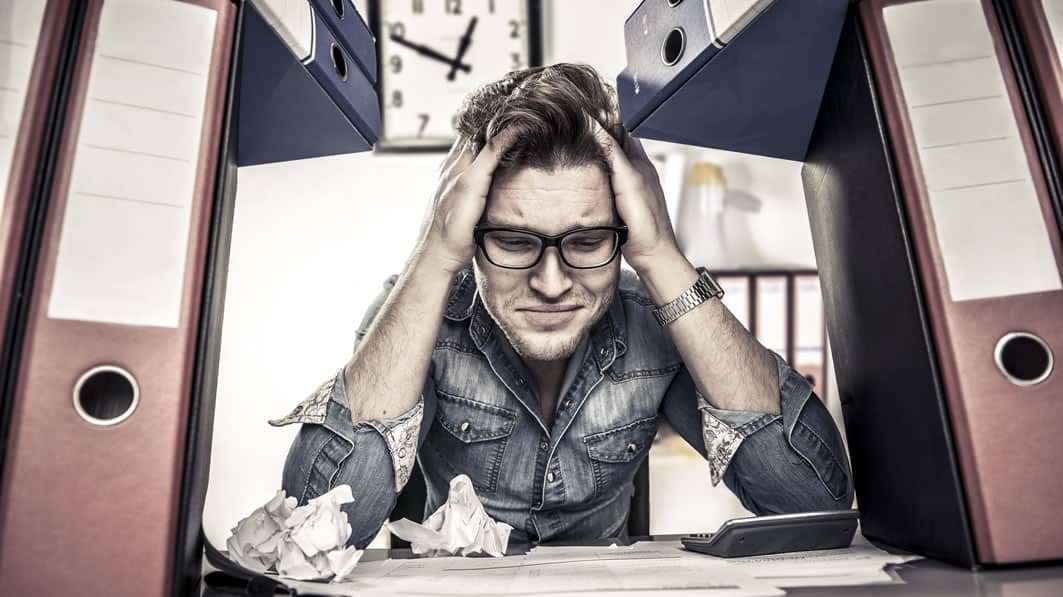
column 432, row 53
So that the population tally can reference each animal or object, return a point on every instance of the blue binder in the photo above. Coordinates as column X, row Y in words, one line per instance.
column 351, row 29
column 293, row 107
column 758, row 92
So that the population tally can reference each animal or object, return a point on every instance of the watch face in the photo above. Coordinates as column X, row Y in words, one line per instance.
column 432, row 53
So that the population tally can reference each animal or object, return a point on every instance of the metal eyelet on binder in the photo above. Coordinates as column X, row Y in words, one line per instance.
column 674, row 45
column 106, row 395
column 337, row 5
column 339, row 61
column 1023, row 358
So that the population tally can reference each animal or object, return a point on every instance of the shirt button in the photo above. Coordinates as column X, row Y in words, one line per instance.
column 464, row 426
column 632, row 448
column 567, row 403
column 543, row 445
column 520, row 381
column 550, row 477
column 603, row 351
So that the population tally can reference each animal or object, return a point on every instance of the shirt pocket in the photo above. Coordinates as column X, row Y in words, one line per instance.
column 616, row 453
column 472, row 436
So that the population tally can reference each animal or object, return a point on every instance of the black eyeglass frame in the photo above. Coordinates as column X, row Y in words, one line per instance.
column 478, row 234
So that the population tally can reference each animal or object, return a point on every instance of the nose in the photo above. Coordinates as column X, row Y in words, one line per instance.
column 551, row 277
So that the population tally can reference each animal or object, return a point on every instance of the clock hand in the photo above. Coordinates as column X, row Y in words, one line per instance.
column 430, row 53
column 463, row 47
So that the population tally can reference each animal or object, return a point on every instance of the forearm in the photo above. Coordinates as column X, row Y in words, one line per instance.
column 386, row 374
column 730, row 368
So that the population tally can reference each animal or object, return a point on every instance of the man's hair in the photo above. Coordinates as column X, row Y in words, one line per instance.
column 548, row 108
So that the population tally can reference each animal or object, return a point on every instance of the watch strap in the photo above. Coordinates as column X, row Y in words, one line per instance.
column 704, row 288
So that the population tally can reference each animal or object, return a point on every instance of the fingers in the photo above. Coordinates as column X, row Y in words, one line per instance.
column 634, row 147
column 481, row 168
column 623, row 170
column 452, row 155
column 458, row 159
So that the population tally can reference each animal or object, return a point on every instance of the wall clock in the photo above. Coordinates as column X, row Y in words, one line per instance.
column 433, row 52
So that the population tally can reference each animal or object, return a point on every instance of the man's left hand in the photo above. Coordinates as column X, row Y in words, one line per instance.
column 639, row 201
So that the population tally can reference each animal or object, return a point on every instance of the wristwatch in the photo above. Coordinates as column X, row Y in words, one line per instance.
column 704, row 288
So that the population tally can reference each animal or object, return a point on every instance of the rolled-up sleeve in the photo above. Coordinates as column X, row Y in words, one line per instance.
column 401, row 434
column 790, row 462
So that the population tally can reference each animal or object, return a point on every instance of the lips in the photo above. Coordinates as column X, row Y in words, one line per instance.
column 549, row 316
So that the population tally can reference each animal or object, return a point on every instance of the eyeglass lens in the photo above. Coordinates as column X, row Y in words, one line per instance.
column 589, row 248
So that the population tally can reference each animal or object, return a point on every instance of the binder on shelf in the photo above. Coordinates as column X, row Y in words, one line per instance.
column 809, row 337
column 352, row 31
column 939, row 252
column 771, row 312
column 743, row 76
column 737, row 296
column 112, row 399
column 30, row 48
column 301, row 93
column 1038, row 26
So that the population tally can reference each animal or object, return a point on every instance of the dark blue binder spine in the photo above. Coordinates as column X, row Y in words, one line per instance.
column 288, row 110
column 332, row 66
column 351, row 30
column 758, row 94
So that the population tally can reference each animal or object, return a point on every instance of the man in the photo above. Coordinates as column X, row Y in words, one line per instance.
column 542, row 371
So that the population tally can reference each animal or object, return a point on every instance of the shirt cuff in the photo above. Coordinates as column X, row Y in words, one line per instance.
column 724, row 430
column 400, row 433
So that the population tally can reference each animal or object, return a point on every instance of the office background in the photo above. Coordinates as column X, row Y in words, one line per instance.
column 314, row 240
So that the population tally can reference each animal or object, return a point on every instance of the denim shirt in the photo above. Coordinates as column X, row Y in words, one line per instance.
column 479, row 415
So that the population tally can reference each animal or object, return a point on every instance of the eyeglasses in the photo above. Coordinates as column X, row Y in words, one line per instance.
column 582, row 248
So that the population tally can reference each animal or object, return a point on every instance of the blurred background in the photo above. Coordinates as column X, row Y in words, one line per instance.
column 313, row 241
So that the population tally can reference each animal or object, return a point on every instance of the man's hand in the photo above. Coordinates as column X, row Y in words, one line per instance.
column 639, row 201
column 465, row 180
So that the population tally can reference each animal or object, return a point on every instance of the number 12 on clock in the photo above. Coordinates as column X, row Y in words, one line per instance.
column 432, row 53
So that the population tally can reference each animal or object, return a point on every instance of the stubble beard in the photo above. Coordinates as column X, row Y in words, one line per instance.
column 543, row 346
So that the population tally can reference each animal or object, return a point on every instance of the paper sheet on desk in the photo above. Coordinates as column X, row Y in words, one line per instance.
column 552, row 571
column 858, row 564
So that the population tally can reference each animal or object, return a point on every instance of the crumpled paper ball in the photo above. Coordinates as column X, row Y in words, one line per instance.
column 305, row 543
column 460, row 526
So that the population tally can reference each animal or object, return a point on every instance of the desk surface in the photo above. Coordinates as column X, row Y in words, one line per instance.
column 921, row 578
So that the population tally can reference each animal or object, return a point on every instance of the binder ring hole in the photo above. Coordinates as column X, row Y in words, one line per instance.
column 337, row 5
column 106, row 395
column 1024, row 358
column 673, row 47
column 339, row 62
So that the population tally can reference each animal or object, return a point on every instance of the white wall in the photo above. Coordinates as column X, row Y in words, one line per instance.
column 314, row 239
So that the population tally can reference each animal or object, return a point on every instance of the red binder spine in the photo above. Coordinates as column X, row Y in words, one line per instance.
column 89, row 508
column 1041, row 39
column 27, row 150
column 1005, row 431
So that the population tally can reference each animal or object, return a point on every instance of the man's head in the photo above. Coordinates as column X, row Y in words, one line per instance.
column 552, row 179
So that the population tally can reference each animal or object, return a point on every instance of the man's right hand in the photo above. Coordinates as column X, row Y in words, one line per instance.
column 465, row 180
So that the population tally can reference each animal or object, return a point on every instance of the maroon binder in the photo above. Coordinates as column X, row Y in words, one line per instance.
column 994, row 346
column 26, row 141
column 95, row 469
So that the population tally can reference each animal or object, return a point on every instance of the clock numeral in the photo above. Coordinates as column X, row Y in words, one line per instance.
column 397, row 29
column 514, row 29
column 396, row 64
column 453, row 7
column 418, row 6
column 396, row 99
column 491, row 6
column 518, row 60
column 424, row 123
